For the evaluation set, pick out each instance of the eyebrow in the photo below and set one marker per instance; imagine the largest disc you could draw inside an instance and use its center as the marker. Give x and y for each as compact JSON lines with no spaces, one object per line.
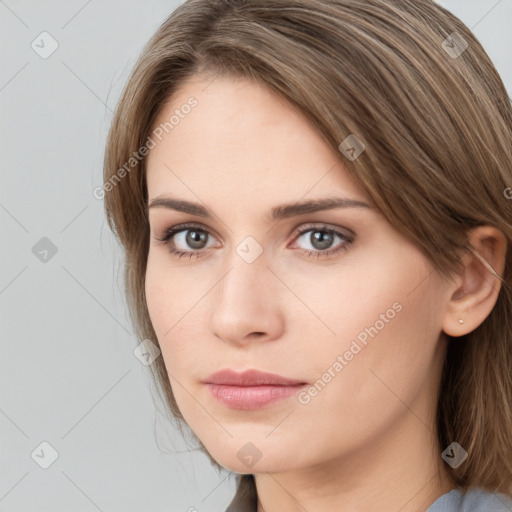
{"x":277,"y":213}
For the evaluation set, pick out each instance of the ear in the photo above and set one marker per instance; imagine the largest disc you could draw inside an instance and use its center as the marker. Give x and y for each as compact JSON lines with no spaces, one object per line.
{"x":475,"y":289}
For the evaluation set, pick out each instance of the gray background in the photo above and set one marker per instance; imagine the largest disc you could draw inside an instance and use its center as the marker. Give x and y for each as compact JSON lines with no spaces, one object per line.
{"x":69,"y":376}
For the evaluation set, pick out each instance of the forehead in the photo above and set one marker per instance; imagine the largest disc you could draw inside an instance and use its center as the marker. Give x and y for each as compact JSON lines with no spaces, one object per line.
{"x":241,"y":140}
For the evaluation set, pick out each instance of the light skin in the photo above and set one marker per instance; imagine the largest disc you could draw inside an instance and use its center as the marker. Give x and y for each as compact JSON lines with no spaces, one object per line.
{"x":367,"y":440}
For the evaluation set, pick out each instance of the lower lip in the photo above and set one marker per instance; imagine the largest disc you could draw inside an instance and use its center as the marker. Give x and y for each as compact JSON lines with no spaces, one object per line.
{"x":251,"y":397}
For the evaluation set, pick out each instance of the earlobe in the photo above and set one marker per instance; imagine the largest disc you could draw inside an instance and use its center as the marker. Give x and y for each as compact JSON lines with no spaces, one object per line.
{"x":475,"y":290}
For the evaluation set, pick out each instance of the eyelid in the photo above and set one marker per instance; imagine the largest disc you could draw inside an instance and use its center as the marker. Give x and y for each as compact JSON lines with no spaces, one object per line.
{"x":177,"y":228}
{"x":298,"y":230}
{"x":307,"y":226}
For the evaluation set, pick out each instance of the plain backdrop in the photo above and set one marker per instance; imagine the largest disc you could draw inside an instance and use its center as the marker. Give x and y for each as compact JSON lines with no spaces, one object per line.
{"x":74,"y":397}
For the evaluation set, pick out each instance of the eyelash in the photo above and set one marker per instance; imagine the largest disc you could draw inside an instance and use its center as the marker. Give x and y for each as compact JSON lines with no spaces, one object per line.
{"x":165,"y":240}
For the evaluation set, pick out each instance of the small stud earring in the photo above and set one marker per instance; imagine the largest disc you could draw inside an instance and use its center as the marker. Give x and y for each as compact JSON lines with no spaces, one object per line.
{"x":461,"y":321}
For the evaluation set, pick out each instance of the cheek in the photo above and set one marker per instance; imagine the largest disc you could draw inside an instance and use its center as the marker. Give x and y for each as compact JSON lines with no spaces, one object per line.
{"x":176,"y":315}
{"x":169,"y":294}
{"x":164,"y":302}
{"x":376,"y":384}
{"x":384,"y":350}
{"x":158,"y":296}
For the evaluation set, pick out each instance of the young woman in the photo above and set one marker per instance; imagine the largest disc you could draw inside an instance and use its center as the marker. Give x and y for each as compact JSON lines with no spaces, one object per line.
{"x":315,"y":202}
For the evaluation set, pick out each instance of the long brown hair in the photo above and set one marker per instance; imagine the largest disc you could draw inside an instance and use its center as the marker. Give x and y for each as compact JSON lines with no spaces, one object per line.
{"x":414,"y":85}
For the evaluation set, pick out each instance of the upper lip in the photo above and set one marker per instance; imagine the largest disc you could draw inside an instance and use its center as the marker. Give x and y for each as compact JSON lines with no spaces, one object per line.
{"x":249,"y":378}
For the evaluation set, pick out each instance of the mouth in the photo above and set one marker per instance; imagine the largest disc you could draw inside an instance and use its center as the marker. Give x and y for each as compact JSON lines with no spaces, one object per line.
{"x":251,"y":389}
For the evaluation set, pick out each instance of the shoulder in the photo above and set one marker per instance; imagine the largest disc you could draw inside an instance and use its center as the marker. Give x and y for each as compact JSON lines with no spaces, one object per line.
{"x":471,"y":500}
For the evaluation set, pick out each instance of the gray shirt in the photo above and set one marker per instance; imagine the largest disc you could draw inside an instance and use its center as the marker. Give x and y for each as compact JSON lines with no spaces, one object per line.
{"x":474,"y":500}
{"x":456,"y":500}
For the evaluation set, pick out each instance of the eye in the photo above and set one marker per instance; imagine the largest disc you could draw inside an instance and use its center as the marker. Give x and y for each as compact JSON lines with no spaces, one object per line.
{"x":179,"y":237}
{"x":321,"y":239}
{"x":191,"y":240}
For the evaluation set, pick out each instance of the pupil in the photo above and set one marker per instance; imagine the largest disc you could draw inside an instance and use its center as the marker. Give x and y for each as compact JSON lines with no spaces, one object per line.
{"x":195,"y":239}
{"x":321,"y":238}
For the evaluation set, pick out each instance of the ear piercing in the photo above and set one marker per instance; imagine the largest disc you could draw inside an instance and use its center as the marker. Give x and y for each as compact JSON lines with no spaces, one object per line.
{"x":461,"y":321}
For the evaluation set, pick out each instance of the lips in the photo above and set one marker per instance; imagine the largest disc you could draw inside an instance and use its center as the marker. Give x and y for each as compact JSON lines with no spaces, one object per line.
{"x":251,"y":389}
{"x":250,"y":378}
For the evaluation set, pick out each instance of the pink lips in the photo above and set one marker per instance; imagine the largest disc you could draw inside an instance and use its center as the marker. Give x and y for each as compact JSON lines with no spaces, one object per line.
{"x":251,"y":389}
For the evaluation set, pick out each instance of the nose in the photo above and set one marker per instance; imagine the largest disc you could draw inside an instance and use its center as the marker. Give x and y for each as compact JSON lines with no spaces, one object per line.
{"x":245,"y":304}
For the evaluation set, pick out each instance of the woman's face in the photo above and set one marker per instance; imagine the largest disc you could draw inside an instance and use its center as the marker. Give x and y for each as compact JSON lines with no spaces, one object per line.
{"x":334,"y":298}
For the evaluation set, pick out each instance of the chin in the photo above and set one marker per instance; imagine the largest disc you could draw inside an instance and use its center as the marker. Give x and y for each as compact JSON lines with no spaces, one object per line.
{"x":249,"y":459}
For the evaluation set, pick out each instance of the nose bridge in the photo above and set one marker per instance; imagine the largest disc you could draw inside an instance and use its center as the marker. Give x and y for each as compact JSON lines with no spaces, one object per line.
{"x":246,"y":279}
{"x":246,"y":301}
